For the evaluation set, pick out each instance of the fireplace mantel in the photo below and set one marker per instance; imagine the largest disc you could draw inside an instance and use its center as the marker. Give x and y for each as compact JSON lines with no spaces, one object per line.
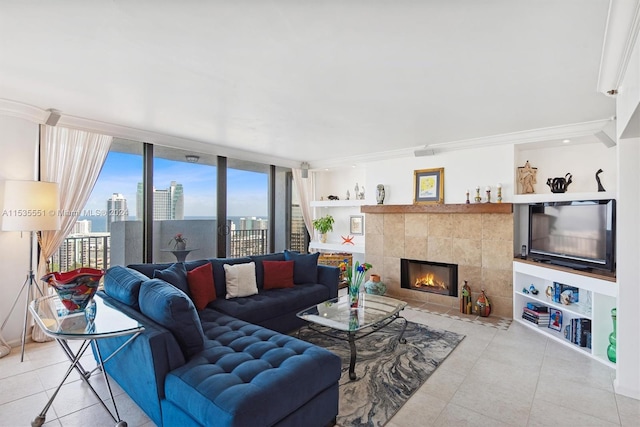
{"x":477,"y":208}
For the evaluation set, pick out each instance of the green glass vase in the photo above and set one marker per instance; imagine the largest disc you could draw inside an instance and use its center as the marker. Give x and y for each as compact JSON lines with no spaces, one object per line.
{"x":611,"y":350}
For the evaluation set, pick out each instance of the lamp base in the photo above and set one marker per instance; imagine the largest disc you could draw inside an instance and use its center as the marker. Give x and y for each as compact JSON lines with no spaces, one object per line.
{"x":4,"y":350}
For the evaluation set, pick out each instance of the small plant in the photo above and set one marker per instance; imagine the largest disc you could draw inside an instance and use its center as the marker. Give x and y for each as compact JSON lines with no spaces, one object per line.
{"x":324,"y":224}
{"x":177,"y":239}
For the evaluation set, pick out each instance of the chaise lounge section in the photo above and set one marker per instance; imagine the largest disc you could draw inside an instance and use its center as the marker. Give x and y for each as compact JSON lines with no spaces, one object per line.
{"x":229,"y":363}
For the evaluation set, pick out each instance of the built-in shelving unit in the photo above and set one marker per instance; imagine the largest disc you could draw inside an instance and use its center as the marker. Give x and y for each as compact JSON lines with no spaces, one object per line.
{"x":561,"y":197}
{"x":341,"y":210}
{"x":597,"y":296}
{"x":336,"y":203}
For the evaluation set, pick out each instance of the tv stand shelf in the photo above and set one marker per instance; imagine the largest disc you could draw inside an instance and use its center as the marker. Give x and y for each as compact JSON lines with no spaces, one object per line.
{"x":598,"y":293}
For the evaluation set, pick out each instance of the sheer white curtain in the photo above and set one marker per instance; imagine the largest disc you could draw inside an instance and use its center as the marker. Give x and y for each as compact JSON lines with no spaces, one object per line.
{"x":306,"y":193}
{"x":72,"y":158}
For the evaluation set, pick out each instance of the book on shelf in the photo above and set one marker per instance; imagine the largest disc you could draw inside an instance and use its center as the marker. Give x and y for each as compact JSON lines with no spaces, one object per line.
{"x":537,"y":307}
{"x":578,"y":331}
{"x":537,"y":314}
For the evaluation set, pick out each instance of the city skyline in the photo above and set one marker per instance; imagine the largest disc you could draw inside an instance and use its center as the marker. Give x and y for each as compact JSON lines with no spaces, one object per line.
{"x":247,"y":191}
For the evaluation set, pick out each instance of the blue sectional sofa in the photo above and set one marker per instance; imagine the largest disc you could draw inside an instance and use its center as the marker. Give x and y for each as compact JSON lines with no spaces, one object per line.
{"x":230,"y":362}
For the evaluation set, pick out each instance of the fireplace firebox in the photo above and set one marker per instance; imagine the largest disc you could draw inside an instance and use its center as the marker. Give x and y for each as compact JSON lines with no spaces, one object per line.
{"x":426,"y":276}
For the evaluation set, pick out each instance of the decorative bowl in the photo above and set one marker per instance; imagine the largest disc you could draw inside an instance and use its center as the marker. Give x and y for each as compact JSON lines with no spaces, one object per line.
{"x":75,"y":288}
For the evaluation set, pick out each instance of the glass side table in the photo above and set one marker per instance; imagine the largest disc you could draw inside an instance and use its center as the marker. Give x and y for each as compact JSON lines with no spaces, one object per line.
{"x":98,"y":321}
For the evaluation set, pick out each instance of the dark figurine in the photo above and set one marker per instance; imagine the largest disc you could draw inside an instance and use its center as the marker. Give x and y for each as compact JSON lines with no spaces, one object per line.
{"x":333,"y":197}
{"x":600,"y":187}
{"x":559,"y":185}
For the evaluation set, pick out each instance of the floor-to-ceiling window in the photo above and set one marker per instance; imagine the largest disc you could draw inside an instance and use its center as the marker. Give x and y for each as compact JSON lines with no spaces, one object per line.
{"x":184,"y":204}
{"x":247,"y":208}
{"x":107,"y":231}
{"x":183,"y":197}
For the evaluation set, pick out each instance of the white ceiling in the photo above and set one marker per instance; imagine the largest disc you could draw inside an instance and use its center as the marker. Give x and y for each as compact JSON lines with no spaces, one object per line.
{"x":310,"y":80}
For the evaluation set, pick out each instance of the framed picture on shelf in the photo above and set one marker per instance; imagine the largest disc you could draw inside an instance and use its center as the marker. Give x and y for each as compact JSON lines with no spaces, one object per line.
{"x":428,"y":186}
{"x":356,"y":224}
{"x":555,"y":319}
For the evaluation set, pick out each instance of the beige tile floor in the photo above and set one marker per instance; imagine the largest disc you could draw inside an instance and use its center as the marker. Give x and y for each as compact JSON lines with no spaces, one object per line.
{"x":497,"y":376}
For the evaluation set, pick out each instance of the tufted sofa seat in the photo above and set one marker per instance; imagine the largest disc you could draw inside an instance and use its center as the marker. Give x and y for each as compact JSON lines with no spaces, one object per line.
{"x":249,"y":375}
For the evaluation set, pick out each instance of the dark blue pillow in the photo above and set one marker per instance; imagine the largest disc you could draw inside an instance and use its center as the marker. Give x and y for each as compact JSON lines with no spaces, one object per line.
{"x":176,"y":275}
{"x":305,"y":267}
{"x":123,"y":284}
{"x":171,"y":308}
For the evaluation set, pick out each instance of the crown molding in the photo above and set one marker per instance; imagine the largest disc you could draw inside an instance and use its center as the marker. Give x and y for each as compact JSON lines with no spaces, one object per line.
{"x":542,"y":135}
{"x":39,"y":116}
{"x":621,"y":34}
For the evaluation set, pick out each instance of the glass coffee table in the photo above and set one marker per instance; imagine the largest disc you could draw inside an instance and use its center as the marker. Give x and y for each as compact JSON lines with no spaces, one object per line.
{"x":335,"y":318}
{"x":98,"y":321}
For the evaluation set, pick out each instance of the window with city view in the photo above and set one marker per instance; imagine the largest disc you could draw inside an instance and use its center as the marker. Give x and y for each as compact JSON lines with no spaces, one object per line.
{"x":109,"y":230}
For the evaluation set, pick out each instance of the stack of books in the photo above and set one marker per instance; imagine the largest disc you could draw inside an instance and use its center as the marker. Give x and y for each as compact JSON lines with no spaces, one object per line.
{"x":536,"y":313}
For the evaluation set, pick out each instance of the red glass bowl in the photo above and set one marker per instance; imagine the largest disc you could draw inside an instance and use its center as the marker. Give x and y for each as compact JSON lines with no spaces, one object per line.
{"x":75,"y":288}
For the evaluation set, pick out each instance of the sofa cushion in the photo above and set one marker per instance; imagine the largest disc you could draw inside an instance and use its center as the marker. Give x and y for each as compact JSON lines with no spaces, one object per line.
{"x":149,"y":269}
{"x":123,"y":284}
{"x":241,"y":280}
{"x":305,"y":267}
{"x":269,"y":304}
{"x":219,"y":276}
{"x":176,"y":274}
{"x":278,"y":274}
{"x":248,"y":375}
{"x":201,"y":285}
{"x":259,"y":259}
{"x":173,"y":309}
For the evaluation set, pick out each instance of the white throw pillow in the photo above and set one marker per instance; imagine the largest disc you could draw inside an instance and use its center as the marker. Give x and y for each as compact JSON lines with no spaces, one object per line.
{"x":241,"y":280}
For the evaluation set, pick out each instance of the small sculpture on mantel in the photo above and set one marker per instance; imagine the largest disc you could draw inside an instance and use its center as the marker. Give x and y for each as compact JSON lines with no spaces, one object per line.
{"x":527,"y":177}
{"x":600,"y":187}
{"x":348,"y":195}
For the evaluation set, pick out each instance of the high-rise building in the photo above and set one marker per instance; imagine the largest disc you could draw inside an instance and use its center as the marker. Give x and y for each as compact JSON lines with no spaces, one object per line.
{"x":167,"y":203}
{"x":82,"y":226}
{"x":116,"y":209}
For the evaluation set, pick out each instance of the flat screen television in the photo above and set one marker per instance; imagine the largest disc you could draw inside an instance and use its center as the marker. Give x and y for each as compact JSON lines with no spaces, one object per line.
{"x":576,"y":234}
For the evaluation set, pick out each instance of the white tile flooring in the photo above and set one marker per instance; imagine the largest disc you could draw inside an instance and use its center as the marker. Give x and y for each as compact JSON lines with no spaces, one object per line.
{"x":495,"y":377}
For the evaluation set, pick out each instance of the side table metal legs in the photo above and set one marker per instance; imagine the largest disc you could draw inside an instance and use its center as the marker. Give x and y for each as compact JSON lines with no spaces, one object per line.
{"x":85,"y":375}
{"x":352,"y":361}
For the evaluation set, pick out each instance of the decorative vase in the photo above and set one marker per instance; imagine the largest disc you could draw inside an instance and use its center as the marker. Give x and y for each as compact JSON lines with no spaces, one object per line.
{"x":181,"y":246}
{"x":380,"y":194}
{"x":75,"y":288}
{"x":323,"y":237}
{"x":354,"y":295}
{"x":611,"y":350}
{"x":375,"y":286}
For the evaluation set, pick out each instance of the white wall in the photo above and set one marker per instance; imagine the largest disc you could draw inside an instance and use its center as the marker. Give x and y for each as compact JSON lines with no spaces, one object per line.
{"x":463,"y":170}
{"x":628,"y":271}
{"x":18,"y":144}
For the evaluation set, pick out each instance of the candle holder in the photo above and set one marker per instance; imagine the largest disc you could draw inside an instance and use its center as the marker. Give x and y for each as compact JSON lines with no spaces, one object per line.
{"x":499,"y":194}
{"x":467,"y":197}
{"x":477,"y":198}
{"x":488,"y":196}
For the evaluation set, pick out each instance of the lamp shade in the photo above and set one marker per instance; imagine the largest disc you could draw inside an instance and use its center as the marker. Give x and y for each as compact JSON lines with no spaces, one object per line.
{"x":29,"y":206}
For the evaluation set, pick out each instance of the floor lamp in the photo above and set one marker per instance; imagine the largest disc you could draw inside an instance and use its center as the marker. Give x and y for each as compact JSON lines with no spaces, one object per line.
{"x":27,"y":206}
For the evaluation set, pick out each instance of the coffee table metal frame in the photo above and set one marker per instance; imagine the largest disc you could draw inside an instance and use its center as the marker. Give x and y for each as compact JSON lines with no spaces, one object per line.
{"x":105,"y":322}
{"x":335,"y":318}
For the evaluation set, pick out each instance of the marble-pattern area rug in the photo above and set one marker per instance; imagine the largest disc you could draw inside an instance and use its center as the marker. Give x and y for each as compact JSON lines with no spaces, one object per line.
{"x":388,"y":372}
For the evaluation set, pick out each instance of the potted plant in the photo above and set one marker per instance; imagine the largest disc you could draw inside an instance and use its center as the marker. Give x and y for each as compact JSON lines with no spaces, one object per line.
{"x":179,"y":242}
{"x":323,"y":225}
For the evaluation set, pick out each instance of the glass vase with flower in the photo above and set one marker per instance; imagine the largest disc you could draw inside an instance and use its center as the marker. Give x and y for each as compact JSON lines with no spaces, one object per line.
{"x":354,"y":278}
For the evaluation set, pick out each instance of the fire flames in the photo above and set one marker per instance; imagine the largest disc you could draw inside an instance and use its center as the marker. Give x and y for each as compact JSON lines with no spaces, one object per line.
{"x":429,"y":280}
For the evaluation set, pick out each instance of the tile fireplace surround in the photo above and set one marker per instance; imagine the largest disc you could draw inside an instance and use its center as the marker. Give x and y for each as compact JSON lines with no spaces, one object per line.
{"x":480,"y":243}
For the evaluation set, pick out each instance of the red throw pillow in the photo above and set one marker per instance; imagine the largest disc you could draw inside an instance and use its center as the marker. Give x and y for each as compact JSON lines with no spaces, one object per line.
{"x":278,"y":274}
{"x":201,"y":285}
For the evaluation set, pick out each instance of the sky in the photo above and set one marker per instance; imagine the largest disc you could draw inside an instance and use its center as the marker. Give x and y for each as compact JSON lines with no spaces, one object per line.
{"x":247,"y":192}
